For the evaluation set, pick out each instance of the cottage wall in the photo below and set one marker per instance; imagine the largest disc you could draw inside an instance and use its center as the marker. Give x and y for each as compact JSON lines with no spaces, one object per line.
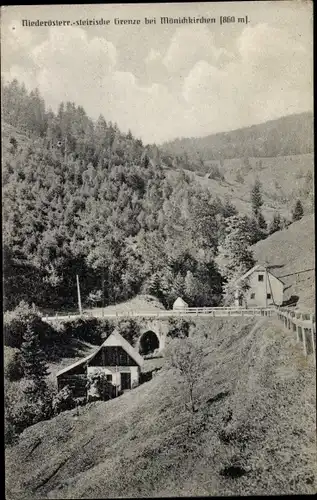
{"x":116,"y":373}
{"x":265,"y":289}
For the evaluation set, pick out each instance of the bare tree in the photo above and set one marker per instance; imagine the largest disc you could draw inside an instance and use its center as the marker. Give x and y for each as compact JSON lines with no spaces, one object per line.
{"x":185,"y":356}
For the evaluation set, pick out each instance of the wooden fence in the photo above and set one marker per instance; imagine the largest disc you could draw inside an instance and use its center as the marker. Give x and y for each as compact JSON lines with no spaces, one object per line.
{"x":303,"y":324}
{"x":189,"y":311}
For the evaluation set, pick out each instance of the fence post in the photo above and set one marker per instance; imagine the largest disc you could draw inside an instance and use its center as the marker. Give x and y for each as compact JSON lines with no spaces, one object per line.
{"x":304,"y":341}
{"x":298,"y":333}
{"x":313,"y":342}
{"x":309,"y":341}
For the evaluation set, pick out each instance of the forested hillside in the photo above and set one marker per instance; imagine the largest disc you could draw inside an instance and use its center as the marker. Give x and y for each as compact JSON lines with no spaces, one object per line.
{"x":289,"y":135}
{"x":83,"y":198}
{"x":279,"y":153}
{"x":80,"y":197}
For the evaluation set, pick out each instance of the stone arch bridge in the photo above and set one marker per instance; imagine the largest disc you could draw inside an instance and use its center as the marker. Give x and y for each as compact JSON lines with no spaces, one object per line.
{"x":154,"y":326}
{"x":153,"y":334}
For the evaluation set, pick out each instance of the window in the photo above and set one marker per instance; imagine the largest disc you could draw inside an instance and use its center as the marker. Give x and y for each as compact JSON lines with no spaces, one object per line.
{"x":252,"y":296}
{"x":109,"y":378}
{"x":268,"y":296}
{"x":260,"y":277}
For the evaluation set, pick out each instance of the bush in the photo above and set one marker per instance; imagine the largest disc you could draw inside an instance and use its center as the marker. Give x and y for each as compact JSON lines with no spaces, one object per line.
{"x":98,"y":387}
{"x":185,"y":357}
{"x":239,"y":178}
{"x":129,"y":329}
{"x":179,"y":328}
{"x":16,"y":322}
{"x":63,"y":401}
{"x":13,"y":369}
{"x":87,"y":329}
{"x":298,"y":211}
{"x":215,"y":173}
{"x":25,"y":407}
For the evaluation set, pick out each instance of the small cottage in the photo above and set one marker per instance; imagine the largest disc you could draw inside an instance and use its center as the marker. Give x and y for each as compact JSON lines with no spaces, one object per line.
{"x":264,"y":289}
{"x":180,"y":304}
{"x":116,"y":362}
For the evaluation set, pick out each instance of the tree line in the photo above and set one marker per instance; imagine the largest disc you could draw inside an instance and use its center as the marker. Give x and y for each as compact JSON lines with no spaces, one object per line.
{"x":289,"y":135}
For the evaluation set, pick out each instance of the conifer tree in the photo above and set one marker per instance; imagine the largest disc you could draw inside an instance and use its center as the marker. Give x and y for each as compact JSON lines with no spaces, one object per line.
{"x":33,"y":359}
{"x":276,"y":223}
{"x":256,"y":198}
{"x":298,"y":211}
{"x":178,"y":286}
{"x":260,"y":226}
{"x":190,"y":287}
{"x":235,"y":257}
{"x":262,"y":223}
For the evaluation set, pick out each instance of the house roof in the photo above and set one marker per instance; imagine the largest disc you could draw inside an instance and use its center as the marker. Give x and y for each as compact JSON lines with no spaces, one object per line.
{"x":78,"y":363}
{"x":114,"y":339}
{"x":258,"y":267}
{"x":180,"y":302}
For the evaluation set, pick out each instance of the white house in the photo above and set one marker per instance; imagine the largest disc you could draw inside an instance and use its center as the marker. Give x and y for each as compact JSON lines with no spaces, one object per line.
{"x":264,"y":290}
{"x":116,"y":359}
{"x":180,"y":304}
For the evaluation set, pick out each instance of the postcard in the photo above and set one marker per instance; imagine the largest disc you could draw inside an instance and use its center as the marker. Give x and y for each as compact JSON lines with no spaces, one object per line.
{"x":158,"y":249}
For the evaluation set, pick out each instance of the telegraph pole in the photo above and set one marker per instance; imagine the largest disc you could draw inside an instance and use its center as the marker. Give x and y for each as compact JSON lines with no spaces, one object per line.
{"x":103,"y":289}
{"x":78,"y":293}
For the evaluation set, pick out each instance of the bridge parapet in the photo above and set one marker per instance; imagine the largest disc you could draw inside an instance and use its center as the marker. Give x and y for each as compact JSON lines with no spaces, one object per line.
{"x":190,"y":311}
{"x":301,"y":322}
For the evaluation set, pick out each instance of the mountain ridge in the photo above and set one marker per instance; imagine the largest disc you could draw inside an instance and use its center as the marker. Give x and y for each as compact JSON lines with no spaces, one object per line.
{"x":289,"y":123}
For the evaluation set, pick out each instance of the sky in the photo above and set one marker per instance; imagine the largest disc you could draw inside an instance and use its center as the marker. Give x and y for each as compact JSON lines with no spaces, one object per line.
{"x":164,"y":81}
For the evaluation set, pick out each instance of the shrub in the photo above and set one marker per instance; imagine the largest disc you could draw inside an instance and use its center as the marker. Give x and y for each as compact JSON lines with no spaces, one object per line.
{"x":24,"y":406}
{"x":87,"y":329}
{"x":13,"y":369}
{"x":16,"y":322}
{"x":185,"y":357}
{"x":298,"y":211}
{"x":129,"y":329}
{"x":239,"y":178}
{"x":101,"y":388}
{"x":215,"y":173}
{"x":63,"y":400}
{"x":179,"y":327}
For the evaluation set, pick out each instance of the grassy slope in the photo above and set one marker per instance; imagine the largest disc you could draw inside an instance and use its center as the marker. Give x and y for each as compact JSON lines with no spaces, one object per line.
{"x":140,"y":303}
{"x":294,"y":250}
{"x":137,"y":445}
{"x":282,"y":178}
